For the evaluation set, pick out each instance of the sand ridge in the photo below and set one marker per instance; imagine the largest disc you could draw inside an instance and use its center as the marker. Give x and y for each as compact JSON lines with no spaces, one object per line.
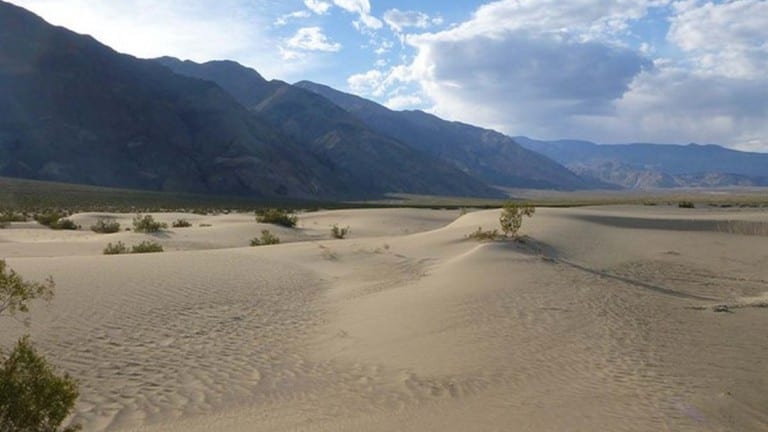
{"x":600,"y":320}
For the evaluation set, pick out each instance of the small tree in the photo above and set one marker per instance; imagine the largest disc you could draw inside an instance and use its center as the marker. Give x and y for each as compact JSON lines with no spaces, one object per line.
{"x":511,"y":218}
{"x":32,"y":396}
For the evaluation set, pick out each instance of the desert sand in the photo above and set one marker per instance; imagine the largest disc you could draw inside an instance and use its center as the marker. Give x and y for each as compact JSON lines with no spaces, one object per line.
{"x":601,"y":319}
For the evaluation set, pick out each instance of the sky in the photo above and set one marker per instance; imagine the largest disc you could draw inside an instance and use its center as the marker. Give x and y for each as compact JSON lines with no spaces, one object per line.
{"x":609,"y":71}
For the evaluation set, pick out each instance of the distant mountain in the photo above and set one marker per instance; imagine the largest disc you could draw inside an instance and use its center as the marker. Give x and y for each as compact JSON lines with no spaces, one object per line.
{"x":643,"y":165}
{"x":74,"y":110}
{"x":361,"y":158}
{"x":482,"y":153}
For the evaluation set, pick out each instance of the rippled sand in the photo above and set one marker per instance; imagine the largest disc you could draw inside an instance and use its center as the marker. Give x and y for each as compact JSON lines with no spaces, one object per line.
{"x":602,"y":319}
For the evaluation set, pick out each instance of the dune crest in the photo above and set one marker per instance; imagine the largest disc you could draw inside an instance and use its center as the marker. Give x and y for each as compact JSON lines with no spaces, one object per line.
{"x":601,"y":320}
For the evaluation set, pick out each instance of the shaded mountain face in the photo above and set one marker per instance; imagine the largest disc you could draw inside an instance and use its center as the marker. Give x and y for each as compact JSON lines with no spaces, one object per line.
{"x":74,"y":110}
{"x":482,"y":153}
{"x":363,"y":160}
{"x":643,"y":166}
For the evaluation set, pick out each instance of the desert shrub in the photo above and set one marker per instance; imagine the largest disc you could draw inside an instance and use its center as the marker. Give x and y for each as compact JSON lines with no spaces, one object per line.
{"x":686,"y":204}
{"x":32,"y":396}
{"x":106,"y":226}
{"x":64,"y":224}
{"x":3,"y":224}
{"x":205,"y":225}
{"x":339,"y":233}
{"x":181,"y":223}
{"x":147,"y":224}
{"x":49,"y":218}
{"x":481,"y":235}
{"x":12,"y":216}
{"x":147,"y":247}
{"x":15,"y":292}
{"x":55,"y":220}
{"x":511,"y":218}
{"x":267,"y":238}
{"x":115,"y":249}
{"x":277,"y":217}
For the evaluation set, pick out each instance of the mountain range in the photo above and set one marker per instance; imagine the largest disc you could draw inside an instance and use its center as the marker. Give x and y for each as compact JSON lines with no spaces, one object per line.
{"x":74,"y":110}
{"x":645,"y":165}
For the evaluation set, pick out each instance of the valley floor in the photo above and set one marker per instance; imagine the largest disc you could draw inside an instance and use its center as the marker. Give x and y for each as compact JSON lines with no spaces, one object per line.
{"x":602,"y":319}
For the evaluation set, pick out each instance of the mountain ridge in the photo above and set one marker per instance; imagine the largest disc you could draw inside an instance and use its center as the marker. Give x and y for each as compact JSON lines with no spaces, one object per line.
{"x":648,"y":165}
{"x":483,"y":153}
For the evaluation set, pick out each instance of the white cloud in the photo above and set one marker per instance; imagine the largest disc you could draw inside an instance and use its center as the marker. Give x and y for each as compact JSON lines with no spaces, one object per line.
{"x":319,"y":7}
{"x":284,"y":19}
{"x":363,"y":9}
{"x":555,"y":69}
{"x":312,"y":39}
{"x":729,"y":39}
{"x":399,"y":20}
{"x":354,"y":6}
{"x":367,"y":83}
{"x":401,"y":102}
{"x":199,"y":30}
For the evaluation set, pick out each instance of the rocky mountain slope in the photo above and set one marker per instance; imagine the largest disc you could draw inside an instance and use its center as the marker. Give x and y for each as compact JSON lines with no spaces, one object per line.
{"x":643,"y":166}
{"x":360,"y":157}
{"x":488,"y":155}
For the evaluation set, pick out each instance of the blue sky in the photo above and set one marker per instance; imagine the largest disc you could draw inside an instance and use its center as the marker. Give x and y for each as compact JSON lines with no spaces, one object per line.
{"x":673,"y":71}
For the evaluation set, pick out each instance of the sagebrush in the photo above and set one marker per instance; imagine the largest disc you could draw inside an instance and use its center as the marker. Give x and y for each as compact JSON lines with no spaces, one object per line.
{"x":267,"y":238}
{"x":511,"y":219}
{"x":106,"y":225}
{"x":277,"y":217}
{"x":339,"y":233}
{"x":147,"y":224}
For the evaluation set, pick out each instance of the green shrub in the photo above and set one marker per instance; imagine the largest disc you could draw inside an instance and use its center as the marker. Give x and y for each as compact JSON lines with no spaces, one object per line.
{"x":115,"y":249}
{"x":147,"y":247}
{"x":64,"y":224}
{"x":511,"y":218}
{"x":267,"y":238}
{"x":106,"y":226}
{"x":181,"y":223}
{"x":481,"y":235}
{"x":339,"y":233}
{"x":12,"y":216}
{"x":15,"y":292}
{"x":277,"y":217}
{"x":147,"y":224}
{"x":32,"y":396}
{"x":686,"y":204}
{"x":49,"y":218}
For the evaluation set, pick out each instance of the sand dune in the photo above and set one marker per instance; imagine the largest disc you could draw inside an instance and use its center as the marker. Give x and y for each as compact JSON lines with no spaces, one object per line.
{"x":602,"y":319}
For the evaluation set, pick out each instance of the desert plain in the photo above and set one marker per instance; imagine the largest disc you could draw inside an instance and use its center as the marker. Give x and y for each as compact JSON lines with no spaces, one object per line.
{"x":600,"y":318}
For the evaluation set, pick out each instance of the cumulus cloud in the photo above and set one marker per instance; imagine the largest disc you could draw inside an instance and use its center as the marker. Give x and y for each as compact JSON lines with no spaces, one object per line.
{"x":729,"y":39}
{"x":317,"y":6}
{"x":363,"y":9}
{"x":284,"y":19}
{"x":554,"y":69}
{"x":399,"y":20}
{"x":312,"y":39}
